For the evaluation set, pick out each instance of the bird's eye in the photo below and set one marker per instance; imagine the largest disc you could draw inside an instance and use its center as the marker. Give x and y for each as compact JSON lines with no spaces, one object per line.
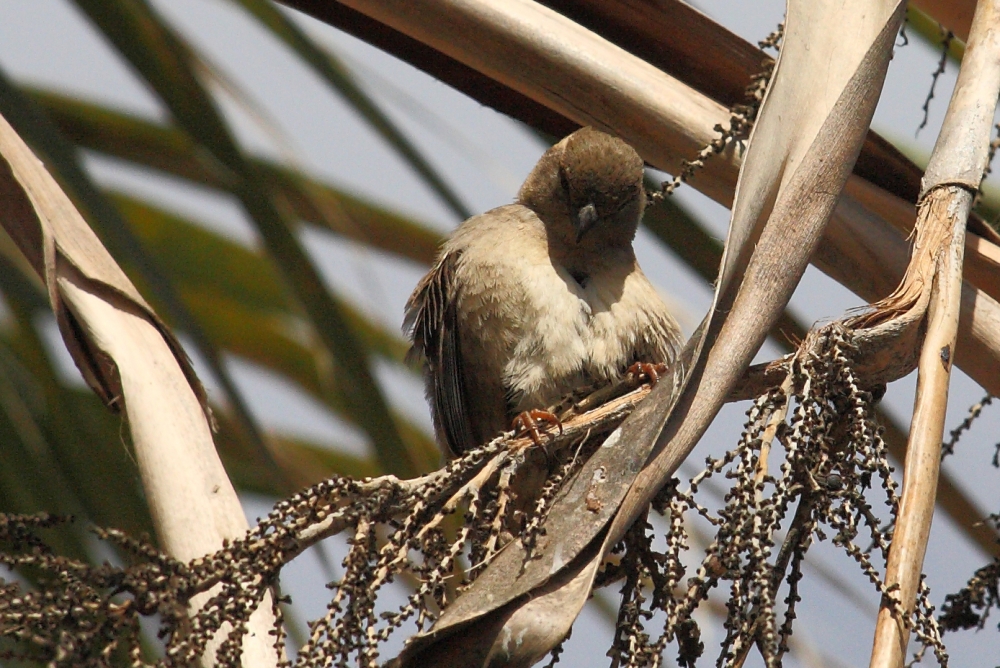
{"x":563,"y":179}
{"x":626,"y":197}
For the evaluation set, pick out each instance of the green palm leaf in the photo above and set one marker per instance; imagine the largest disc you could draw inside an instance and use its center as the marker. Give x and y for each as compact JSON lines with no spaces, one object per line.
{"x":337,"y":76}
{"x":63,"y":159}
{"x":168,"y":150}
{"x":166,"y":64}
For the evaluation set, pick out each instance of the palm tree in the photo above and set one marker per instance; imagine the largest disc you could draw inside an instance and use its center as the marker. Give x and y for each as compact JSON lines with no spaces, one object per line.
{"x":664,"y":77}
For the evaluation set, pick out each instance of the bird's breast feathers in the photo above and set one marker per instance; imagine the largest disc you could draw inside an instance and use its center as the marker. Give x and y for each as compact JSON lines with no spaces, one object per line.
{"x":559,"y":333}
{"x":532,"y":300}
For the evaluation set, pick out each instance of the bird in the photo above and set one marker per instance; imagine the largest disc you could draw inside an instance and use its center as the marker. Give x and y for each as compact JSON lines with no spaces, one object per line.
{"x":532,"y":300}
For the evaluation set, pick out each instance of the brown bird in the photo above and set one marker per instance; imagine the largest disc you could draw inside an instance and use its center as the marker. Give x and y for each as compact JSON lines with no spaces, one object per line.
{"x":530,"y":301}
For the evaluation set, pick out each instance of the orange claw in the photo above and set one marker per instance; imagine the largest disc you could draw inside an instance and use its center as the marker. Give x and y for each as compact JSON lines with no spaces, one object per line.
{"x":650,"y":371}
{"x":528,"y":421}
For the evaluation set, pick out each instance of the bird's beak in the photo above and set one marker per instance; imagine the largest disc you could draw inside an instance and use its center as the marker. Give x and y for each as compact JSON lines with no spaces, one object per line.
{"x":584,"y":219}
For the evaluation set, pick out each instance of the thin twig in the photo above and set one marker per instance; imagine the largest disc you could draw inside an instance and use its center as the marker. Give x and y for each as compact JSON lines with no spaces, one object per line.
{"x":948,"y":36}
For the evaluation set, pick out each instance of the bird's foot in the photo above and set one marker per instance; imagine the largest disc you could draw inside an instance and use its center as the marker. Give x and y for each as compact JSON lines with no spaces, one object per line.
{"x":528,"y":422}
{"x":647,"y":371}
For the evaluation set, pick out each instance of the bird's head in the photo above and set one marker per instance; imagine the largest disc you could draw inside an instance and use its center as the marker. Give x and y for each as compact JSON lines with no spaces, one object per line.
{"x":588,"y":191}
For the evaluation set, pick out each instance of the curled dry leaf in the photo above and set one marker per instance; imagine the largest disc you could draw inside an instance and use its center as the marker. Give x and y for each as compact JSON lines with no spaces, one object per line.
{"x":133,"y":362}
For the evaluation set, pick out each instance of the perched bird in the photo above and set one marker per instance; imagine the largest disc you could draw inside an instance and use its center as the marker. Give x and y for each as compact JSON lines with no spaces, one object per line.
{"x":530,"y":301}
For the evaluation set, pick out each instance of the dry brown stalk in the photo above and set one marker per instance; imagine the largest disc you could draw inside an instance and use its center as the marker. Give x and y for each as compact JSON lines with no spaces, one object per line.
{"x":933,"y":285}
{"x":939,"y":295}
{"x":603,"y":412}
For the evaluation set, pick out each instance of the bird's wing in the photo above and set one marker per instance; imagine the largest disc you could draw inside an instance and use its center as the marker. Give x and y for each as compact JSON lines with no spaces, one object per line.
{"x":431,"y":318}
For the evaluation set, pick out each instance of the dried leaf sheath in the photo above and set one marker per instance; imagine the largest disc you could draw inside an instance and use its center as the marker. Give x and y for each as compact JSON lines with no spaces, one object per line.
{"x":121,"y":349}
